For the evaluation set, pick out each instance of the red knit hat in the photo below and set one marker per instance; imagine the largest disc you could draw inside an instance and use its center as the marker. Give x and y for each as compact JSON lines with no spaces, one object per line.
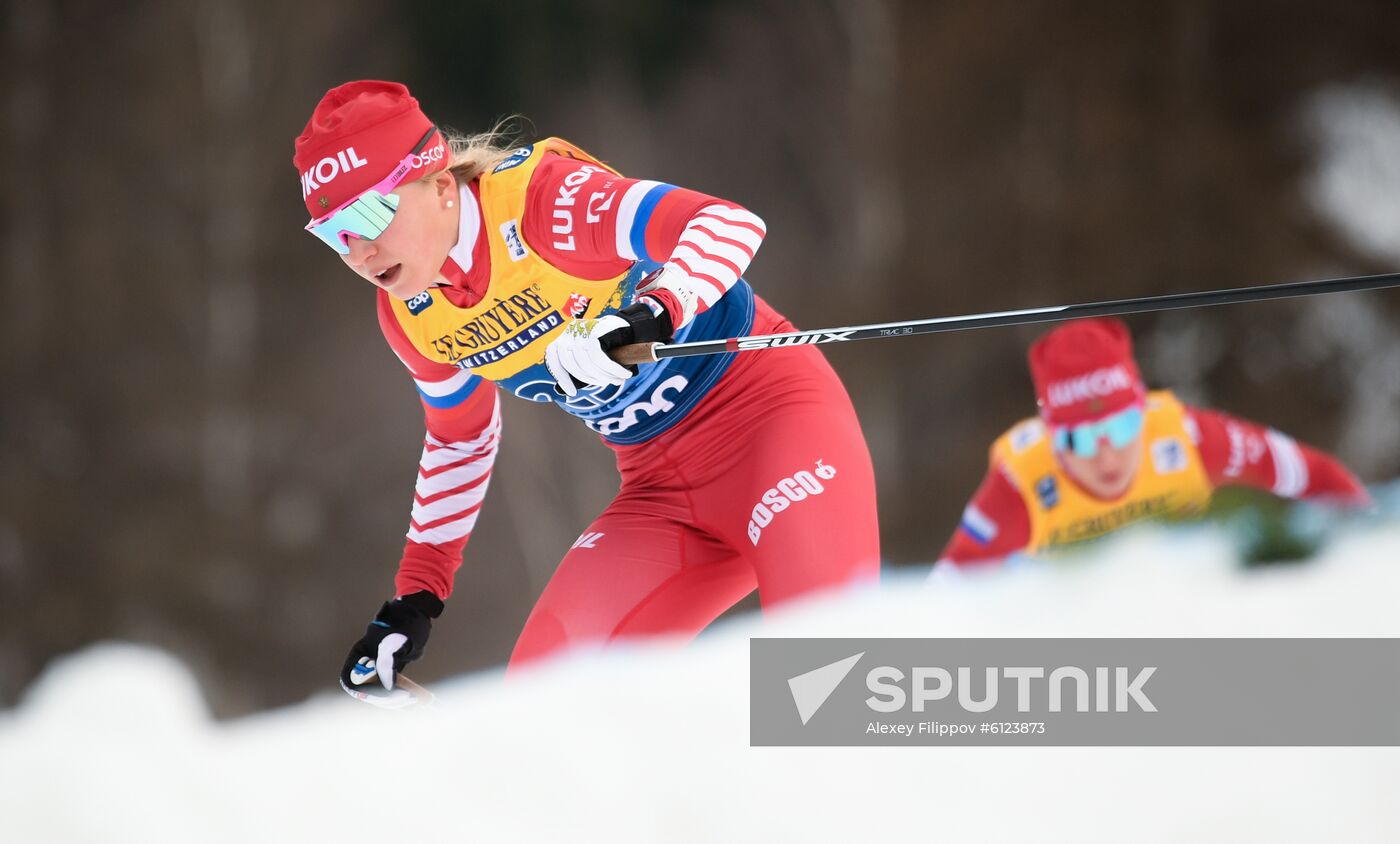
{"x":357,"y":135}
{"x":1084,"y":370}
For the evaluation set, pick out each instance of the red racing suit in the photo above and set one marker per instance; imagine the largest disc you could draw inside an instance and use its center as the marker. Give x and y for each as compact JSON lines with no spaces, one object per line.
{"x":1028,"y":503}
{"x":736,"y":472}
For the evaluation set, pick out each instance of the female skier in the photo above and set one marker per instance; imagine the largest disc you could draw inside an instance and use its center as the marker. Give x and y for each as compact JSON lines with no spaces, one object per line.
{"x":1105,"y":453}
{"x":516,"y":271}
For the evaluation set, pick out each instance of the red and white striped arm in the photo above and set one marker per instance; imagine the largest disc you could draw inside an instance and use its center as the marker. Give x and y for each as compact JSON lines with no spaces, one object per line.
{"x":453,"y":476}
{"x":452,"y":481}
{"x":714,"y":250}
{"x":593,"y":224}
{"x":462,"y":415}
{"x":1237,"y":452}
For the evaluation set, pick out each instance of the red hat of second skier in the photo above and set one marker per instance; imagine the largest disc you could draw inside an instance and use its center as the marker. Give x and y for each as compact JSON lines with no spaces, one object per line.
{"x":1084,"y":370}
{"x":358,"y":134}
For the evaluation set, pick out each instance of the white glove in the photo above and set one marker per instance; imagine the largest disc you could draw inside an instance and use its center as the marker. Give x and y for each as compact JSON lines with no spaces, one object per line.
{"x":579,"y":354}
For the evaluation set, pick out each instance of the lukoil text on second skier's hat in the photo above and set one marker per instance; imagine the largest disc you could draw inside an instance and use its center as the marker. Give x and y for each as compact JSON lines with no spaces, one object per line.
{"x":1085,"y":370}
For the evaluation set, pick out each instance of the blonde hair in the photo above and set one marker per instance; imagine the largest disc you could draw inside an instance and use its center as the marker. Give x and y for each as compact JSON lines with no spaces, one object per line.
{"x":473,"y":155}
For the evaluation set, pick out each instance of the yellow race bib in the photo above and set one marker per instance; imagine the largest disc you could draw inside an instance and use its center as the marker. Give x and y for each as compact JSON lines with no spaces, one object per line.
{"x":1171,"y":480}
{"x":528,"y":301}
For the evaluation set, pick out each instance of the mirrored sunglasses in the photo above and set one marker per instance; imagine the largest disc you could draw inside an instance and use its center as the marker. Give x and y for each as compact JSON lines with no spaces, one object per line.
{"x":1120,"y":430}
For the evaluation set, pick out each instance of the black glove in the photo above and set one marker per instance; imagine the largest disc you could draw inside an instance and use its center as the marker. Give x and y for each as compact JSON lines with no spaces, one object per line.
{"x":643,"y":326}
{"x":395,"y":638}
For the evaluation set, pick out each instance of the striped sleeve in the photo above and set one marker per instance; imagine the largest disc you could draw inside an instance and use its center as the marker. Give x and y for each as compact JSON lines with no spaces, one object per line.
{"x":704,"y":260}
{"x":1237,"y":452}
{"x":463,"y":419}
{"x":593,"y":224}
{"x":1290,"y":469}
{"x":452,"y":480}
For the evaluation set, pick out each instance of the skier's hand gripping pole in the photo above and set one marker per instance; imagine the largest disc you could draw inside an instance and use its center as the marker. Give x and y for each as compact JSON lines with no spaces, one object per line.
{"x":395,"y":637}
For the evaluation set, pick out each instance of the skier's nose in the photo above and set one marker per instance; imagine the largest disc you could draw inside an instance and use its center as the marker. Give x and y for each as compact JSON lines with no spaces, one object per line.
{"x":361,"y":251}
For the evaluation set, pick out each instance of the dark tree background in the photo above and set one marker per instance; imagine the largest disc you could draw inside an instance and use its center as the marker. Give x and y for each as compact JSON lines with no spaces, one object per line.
{"x":205,"y":444}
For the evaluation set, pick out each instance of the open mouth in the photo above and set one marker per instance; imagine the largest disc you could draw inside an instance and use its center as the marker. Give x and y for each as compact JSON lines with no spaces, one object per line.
{"x":387,"y":276}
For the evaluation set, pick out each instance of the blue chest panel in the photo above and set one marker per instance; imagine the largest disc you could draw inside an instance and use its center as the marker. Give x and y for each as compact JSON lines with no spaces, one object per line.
{"x":661,"y":394}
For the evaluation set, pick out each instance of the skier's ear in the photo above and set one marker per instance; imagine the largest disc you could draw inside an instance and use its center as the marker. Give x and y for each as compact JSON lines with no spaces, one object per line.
{"x":444,"y":184}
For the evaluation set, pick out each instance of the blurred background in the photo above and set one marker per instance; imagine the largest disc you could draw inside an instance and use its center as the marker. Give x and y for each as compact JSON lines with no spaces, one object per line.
{"x":206,"y":445}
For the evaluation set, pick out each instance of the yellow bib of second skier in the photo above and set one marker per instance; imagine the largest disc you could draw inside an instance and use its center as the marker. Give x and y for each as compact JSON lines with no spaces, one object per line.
{"x":1171,"y":479}
{"x":528,"y":300}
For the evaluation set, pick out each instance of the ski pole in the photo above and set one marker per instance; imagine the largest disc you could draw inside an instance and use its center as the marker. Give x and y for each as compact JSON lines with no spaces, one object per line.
{"x":421,"y":696}
{"x":652,"y":352}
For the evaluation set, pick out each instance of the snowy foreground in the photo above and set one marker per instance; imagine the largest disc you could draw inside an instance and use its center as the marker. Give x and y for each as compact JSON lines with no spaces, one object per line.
{"x":114,"y":744}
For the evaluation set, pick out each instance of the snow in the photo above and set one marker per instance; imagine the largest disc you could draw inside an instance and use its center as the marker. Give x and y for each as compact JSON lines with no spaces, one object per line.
{"x":650,"y":743}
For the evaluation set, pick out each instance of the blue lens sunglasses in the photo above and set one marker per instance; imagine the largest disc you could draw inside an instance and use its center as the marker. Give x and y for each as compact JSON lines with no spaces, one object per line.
{"x":1120,"y":430}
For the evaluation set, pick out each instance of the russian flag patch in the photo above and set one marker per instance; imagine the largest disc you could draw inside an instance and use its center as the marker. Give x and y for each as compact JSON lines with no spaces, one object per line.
{"x":978,"y":525}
